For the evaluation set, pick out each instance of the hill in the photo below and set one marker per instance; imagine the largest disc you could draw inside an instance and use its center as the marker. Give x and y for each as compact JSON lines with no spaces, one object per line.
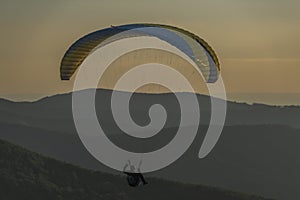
{"x":28,"y":175}
{"x":55,"y":112}
{"x":261,"y":160}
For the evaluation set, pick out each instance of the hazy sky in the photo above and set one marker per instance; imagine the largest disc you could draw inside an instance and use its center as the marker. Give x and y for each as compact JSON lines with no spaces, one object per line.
{"x":257,"y":41}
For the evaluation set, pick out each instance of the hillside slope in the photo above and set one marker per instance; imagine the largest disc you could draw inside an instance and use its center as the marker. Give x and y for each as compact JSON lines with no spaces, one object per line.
{"x":261,"y":160}
{"x":27,"y":175}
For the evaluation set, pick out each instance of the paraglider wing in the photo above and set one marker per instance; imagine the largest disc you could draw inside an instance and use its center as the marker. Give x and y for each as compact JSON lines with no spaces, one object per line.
{"x":193,"y":46}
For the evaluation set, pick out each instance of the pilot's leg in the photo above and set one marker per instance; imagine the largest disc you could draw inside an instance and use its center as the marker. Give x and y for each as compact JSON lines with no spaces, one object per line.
{"x":143,"y":179}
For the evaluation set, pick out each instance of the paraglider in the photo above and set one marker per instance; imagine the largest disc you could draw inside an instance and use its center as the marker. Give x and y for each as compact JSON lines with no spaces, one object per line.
{"x":197,"y":50}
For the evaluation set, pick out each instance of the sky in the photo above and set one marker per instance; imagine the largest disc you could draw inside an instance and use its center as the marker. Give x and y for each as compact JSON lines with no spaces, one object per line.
{"x":257,"y":41}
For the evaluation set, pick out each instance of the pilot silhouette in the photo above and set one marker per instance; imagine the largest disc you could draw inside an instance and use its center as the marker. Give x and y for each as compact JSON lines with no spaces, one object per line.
{"x":134,"y":178}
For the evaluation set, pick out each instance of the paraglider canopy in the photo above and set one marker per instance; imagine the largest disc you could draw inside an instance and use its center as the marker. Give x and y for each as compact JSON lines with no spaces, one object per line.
{"x":192,"y":45}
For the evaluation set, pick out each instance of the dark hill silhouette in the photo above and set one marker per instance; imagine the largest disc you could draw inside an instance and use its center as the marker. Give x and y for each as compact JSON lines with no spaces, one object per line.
{"x":260,"y":160}
{"x":28,"y":175}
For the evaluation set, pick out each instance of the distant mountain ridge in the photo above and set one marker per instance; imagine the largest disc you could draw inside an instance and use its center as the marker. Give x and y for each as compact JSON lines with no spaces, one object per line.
{"x":55,"y":112}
